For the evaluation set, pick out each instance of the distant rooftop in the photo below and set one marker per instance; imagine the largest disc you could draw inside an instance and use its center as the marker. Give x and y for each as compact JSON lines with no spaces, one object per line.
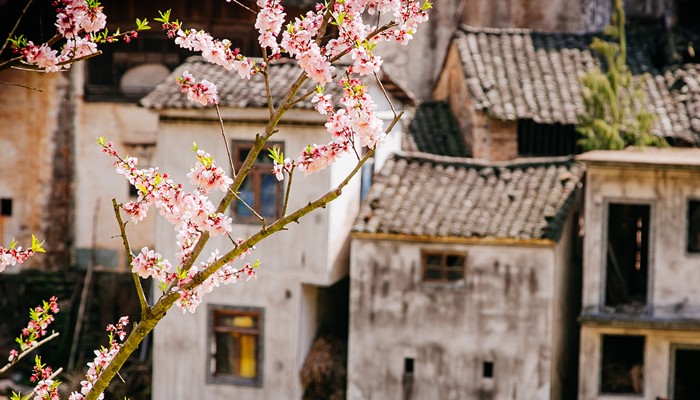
{"x":242,"y":93}
{"x":522,"y":74}
{"x":430,"y":196}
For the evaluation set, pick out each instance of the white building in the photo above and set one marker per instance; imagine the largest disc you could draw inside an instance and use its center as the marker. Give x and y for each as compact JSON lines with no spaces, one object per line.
{"x":640,"y":324}
{"x":249,"y":340}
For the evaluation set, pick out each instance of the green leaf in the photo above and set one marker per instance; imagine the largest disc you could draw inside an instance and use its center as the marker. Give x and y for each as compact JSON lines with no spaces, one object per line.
{"x":142,"y":24}
{"x":37,"y":246}
{"x":164,"y":17}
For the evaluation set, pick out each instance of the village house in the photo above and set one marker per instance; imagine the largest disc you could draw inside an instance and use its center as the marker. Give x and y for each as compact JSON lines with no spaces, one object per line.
{"x":250,"y":340}
{"x":640,"y":320}
{"x":463,"y":280}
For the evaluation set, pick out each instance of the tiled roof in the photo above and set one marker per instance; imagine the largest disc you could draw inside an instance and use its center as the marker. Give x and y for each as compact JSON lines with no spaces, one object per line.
{"x":423,"y":195}
{"x":240,"y":93}
{"x":435,"y":130}
{"x":522,"y":74}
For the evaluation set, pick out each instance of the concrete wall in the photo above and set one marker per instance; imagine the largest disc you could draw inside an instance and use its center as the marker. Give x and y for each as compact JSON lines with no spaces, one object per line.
{"x":28,"y":123}
{"x":97,"y":183}
{"x":673,"y":279}
{"x":502,"y":312}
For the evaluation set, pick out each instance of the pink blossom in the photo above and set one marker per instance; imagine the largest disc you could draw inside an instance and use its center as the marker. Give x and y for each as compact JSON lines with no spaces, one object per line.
{"x":203,"y":93}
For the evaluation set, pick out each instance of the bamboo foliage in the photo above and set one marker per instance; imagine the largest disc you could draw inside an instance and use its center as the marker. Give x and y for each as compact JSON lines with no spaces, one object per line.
{"x":616,"y":115}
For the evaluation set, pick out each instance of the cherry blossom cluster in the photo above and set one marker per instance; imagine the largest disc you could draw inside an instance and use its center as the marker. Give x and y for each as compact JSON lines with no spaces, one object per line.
{"x":191,"y":214}
{"x":218,"y":52}
{"x":46,"y":387}
{"x":191,"y":298}
{"x":203,"y":92}
{"x":269,"y":23}
{"x":39,"y":320}
{"x":356,"y":119}
{"x":17,"y":255}
{"x":73,"y":19}
{"x":188,"y":212}
{"x":207,"y":176}
{"x":117,"y":334}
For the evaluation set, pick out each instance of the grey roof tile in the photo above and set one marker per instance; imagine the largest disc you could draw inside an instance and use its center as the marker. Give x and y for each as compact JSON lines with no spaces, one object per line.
{"x":435,"y":130}
{"x":522,"y":74}
{"x":426,"y":195}
{"x":242,"y":93}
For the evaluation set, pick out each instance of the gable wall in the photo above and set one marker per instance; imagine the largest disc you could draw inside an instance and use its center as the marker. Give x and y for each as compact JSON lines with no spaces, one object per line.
{"x":501,"y":312}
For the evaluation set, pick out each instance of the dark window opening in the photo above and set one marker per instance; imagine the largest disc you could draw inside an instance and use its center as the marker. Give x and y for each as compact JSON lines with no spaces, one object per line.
{"x":408,"y":366}
{"x":623,"y":364}
{"x":6,"y":207}
{"x":236,"y":346}
{"x":693,"y":240}
{"x":686,"y":385}
{"x":546,"y":140}
{"x":260,"y":189}
{"x":487,"y":370}
{"x":627,"y":261}
{"x":445,"y":267}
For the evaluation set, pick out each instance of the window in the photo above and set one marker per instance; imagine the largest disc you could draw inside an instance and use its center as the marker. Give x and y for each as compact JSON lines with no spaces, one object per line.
{"x":6,"y":207}
{"x":260,"y":189}
{"x":443,"y":267}
{"x":623,"y":364}
{"x":544,"y":140}
{"x":693,"y":226}
{"x":627,"y":260}
{"x":235,"y":344}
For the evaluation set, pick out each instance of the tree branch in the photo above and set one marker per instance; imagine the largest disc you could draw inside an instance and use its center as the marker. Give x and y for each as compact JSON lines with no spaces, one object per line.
{"x":26,"y":352}
{"x":130,"y":258}
{"x":14,"y":28}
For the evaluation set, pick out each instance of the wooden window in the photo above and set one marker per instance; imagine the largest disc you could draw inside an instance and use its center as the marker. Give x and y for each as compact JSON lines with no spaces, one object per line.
{"x":443,"y":267}
{"x":236,"y":346}
{"x":693,"y":240}
{"x":260,"y":189}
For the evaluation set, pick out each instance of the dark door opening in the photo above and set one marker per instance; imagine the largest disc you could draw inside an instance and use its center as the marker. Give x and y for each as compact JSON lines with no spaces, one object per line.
{"x":627,"y":261}
{"x":686,"y":385}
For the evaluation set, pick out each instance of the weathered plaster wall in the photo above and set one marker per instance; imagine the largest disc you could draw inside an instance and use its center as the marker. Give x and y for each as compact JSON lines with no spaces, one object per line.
{"x":657,"y":361}
{"x":674,"y":277}
{"x":28,"y":122}
{"x":181,"y":340}
{"x":97,"y":183}
{"x":502,"y":312}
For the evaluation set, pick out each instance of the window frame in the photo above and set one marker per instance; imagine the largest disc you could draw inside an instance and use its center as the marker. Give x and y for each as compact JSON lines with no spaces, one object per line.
{"x":688,"y":250}
{"x":650,"y":250}
{"x":213,"y":313}
{"x":444,"y":268}
{"x":256,"y":173}
{"x":601,"y":391}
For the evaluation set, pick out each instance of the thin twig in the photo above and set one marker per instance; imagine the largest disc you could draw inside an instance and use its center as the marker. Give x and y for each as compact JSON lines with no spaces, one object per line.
{"x":286,"y":193}
{"x":244,"y":6}
{"x":305,"y":96}
{"x":14,"y":28}
{"x":26,"y":352}
{"x":130,"y":258}
{"x":386,"y":95}
{"x":21,"y":85}
{"x":266,"y":76}
{"x":223,"y":136}
{"x":262,"y":220}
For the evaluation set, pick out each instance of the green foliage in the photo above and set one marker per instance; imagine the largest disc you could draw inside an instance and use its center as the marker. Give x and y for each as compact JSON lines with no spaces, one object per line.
{"x":616,"y":115}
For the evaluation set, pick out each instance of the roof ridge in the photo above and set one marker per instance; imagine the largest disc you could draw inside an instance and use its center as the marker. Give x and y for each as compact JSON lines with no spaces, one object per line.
{"x":475,"y":162}
{"x":521,"y":31}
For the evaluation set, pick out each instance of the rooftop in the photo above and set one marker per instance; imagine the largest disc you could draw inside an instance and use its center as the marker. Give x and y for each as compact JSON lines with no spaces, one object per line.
{"x":241,"y":93}
{"x":522,"y":74}
{"x":435,"y":130}
{"x":419,"y":194}
{"x":681,"y":157}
